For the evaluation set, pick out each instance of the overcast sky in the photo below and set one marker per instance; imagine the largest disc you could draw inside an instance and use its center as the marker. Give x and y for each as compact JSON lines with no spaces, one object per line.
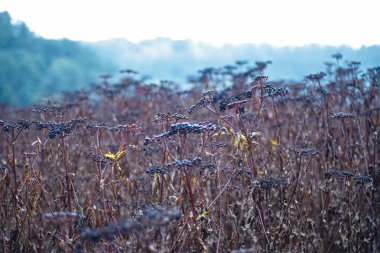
{"x":277,"y":22}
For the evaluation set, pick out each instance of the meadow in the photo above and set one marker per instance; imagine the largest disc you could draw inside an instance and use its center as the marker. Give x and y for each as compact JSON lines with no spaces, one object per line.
{"x":236,"y":163}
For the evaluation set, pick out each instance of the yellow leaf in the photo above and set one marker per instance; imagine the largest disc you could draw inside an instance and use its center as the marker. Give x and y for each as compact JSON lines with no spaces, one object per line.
{"x":203,"y":215}
{"x":116,"y":157}
{"x":223,"y":132}
{"x":156,"y":182}
{"x":126,"y":181}
{"x":240,"y":141}
{"x":195,"y":181}
{"x":274,"y":143}
{"x":137,"y":148}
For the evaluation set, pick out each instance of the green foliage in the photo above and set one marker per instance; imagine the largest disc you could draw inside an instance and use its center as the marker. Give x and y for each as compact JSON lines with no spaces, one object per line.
{"x":32,"y":67}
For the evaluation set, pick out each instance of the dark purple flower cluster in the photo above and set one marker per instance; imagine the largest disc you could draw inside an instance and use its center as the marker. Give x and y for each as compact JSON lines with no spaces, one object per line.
{"x":150,"y":216}
{"x":341,"y":115}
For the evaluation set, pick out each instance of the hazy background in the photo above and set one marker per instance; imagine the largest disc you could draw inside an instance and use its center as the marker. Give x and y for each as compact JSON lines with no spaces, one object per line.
{"x":48,"y":46}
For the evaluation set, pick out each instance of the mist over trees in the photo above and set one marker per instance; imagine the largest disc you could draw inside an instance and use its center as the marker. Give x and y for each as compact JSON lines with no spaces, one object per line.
{"x":164,"y":58}
{"x":31,"y":66}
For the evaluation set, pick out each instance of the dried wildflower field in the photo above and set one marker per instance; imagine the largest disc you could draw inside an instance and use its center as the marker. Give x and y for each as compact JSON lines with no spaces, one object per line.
{"x":238,"y":163}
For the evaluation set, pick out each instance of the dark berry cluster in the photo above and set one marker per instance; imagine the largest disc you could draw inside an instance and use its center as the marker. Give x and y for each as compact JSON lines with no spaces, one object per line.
{"x":316,"y":77}
{"x":185,"y":128}
{"x":60,"y":129}
{"x":227,"y":102}
{"x":185,"y":162}
{"x":157,"y":169}
{"x":207,"y":166}
{"x":206,"y":100}
{"x":267,"y":183}
{"x":99,"y":158}
{"x":167,"y":167}
{"x":346,"y":174}
{"x":109,"y":232}
{"x":341,"y":115}
{"x":363,"y":179}
{"x":201,"y":102}
{"x":150,"y":216}
{"x":55,"y":110}
{"x":261,"y":78}
{"x":245,"y":94}
{"x":245,"y":171}
{"x":272,"y":91}
{"x":342,"y":174}
{"x":21,"y":124}
{"x":223,"y":104}
{"x":157,"y":215}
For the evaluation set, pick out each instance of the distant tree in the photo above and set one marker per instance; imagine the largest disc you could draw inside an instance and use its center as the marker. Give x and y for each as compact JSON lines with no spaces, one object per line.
{"x":31,"y":66}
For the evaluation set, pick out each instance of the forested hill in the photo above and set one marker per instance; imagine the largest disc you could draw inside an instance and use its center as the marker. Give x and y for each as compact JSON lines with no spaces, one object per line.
{"x":32,"y":67}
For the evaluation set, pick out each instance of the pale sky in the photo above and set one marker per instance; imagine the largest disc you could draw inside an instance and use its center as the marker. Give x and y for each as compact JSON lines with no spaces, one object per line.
{"x":276,"y":22}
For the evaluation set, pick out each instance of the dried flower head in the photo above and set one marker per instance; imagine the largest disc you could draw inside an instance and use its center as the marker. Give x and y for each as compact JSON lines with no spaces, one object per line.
{"x":167,"y":167}
{"x":342,"y":115}
{"x":342,"y":174}
{"x":267,"y":183}
{"x":309,"y":152}
{"x":168,"y":117}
